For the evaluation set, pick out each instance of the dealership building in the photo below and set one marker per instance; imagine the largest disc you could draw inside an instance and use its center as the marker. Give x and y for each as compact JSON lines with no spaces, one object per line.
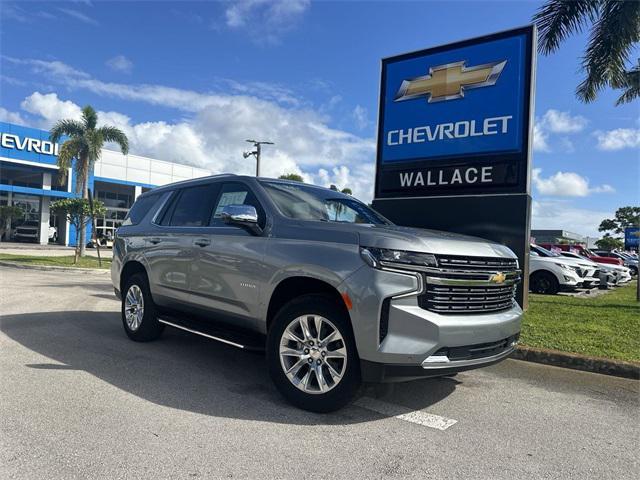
{"x":30,"y":179}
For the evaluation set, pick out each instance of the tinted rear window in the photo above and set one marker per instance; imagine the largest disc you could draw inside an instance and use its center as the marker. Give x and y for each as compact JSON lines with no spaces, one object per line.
{"x":192,"y":207}
{"x":140,"y":209}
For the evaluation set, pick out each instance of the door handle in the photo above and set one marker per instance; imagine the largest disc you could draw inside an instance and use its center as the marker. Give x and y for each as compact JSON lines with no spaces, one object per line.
{"x":155,"y":241}
{"x":202,"y":242}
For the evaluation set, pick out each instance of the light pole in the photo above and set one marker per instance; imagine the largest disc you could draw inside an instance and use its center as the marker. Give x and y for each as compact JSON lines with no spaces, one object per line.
{"x":256,"y":153}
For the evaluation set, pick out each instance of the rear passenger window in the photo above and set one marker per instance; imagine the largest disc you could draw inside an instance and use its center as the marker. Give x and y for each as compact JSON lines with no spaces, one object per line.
{"x":192,"y":207}
{"x":140,"y":209}
{"x":235,"y":193}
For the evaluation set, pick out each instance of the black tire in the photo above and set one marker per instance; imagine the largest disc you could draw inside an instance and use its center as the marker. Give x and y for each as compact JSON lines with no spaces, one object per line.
{"x":343,"y":391}
{"x":150,"y":328}
{"x":545,"y":283}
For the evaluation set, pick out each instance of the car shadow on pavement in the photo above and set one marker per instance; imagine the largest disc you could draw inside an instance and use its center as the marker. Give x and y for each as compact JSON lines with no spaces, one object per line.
{"x":184,"y":371}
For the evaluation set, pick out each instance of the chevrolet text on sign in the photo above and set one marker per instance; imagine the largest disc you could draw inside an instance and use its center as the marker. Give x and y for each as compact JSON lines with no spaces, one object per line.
{"x":456,"y":119}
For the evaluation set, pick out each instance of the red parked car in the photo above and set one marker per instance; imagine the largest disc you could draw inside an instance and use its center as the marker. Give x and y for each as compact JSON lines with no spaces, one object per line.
{"x":580,"y":250}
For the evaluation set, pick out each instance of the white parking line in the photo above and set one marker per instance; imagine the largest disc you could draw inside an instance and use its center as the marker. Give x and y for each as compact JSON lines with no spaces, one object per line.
{"x":414,"y":416}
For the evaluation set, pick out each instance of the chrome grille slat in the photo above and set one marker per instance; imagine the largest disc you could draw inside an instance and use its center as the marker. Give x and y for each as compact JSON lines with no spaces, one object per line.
{"x":465,"y":285}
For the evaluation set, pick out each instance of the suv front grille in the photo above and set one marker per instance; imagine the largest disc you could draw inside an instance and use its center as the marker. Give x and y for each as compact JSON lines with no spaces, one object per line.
{"x":470,"y":285}
{"x":481,"y":263}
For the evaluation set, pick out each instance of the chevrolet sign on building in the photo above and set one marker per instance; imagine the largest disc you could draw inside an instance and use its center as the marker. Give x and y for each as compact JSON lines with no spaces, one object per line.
{"x":454,"y":138}
{"x":30,"y":179}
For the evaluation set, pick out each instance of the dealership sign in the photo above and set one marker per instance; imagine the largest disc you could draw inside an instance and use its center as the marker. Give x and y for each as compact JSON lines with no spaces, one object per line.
{"x":28,"y":144}
{"x":456,"y":118}
{"x":632,"y":238}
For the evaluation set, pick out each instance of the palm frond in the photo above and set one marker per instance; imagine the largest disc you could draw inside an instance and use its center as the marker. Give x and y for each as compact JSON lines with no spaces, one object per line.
{"x":68,"y":151}
{"x":558,"y":19}
{"x":71,"y":128}
{"x":113,"y":134}
{"x":89,"y":117}
{"x":611,"y":40}
{"x":630,"y":82}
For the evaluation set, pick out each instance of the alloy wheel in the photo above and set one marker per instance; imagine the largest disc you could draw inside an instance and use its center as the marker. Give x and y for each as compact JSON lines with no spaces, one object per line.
{"x":134,"y":307}
{"x":313,"y":354}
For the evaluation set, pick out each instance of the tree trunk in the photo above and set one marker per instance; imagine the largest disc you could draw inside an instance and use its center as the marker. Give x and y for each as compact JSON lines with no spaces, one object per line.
{"x":82,"y":237}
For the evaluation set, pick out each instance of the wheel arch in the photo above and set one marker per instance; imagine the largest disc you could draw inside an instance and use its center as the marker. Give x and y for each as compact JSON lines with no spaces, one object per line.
{"x":130,"y":268}
{"x":296,"y":286}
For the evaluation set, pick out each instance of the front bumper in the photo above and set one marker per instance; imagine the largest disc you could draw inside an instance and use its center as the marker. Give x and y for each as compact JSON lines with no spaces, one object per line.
{"x":405,"y":346}
{"x":26,"y":236}
{"x":436,"y":365}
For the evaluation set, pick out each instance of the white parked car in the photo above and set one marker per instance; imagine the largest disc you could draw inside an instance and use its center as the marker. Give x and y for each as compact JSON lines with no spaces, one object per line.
{"x":29,"y":231}
{"x":569,"y":273}
{"x":614,"y":273}
{"x":549,"y":275}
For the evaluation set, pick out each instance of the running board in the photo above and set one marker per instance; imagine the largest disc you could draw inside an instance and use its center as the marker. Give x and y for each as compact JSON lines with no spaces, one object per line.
{"x":240,"y":340}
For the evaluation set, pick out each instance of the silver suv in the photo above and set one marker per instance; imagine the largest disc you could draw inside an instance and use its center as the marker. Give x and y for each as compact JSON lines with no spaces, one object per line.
{"x":335,"y":293}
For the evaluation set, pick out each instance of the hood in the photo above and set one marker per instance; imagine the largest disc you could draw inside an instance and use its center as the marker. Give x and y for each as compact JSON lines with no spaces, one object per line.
{"x":429,"y":241}
{"x":577,"y":261}
{"x":556,"y":260}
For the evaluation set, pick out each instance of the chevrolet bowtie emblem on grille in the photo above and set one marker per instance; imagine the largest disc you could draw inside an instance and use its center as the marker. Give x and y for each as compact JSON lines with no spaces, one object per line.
{"x":498,"y":277}
{"x":450,"y":81}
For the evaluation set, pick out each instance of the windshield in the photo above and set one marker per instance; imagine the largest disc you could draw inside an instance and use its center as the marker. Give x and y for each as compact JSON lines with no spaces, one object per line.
{"x":543,"y":252}
{"x":305,"y":202}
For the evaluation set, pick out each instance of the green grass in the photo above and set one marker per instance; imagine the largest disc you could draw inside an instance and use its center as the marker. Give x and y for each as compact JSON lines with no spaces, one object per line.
{"x":67,"y":261}
{"x":604,"y":326}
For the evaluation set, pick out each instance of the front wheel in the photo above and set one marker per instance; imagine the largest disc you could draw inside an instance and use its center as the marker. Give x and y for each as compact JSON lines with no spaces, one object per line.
{"x":545,"y":283}
{"x":312,"y":355}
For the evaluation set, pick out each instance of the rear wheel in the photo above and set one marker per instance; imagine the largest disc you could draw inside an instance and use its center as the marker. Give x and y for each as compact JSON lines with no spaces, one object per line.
{"x":544,"y":283}
{"x":312,"y":354}
{"x":138,"y":310}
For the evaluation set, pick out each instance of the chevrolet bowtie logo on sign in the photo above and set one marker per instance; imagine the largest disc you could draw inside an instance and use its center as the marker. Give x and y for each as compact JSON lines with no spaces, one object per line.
{"x":448,"y":82}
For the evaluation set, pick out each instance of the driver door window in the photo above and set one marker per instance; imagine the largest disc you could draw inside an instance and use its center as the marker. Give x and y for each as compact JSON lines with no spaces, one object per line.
{"x":235,"y":193}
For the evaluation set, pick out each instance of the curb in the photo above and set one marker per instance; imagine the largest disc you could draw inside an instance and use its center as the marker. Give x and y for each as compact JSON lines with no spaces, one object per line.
{"x":99,"y":271}
{"x":617,"y":368}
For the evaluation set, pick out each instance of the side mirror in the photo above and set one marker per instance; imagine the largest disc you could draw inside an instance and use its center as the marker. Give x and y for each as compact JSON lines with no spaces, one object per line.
{"x":244,"y":216}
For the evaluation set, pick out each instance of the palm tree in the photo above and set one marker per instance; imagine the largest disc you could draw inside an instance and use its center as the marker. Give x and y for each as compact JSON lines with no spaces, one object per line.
{"x":615,"y":28}
{"x":631,"y":83}
{"x":84,"y":145}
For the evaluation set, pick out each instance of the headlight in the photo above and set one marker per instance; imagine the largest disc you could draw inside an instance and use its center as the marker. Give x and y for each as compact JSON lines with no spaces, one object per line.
{"x":567,"y":267}
{"x":381,"y":257}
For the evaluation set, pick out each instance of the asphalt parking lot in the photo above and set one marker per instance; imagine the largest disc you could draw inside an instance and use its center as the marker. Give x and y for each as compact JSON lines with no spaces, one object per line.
{"x":79,"y":400}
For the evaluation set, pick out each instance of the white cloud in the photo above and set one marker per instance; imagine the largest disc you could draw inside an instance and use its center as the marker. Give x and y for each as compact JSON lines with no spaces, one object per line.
{"x":78,"y":15}
{"x":11,"y":117}
{"x":566,"y":184}
{"x":265,"y":20}
{"x":562,"y":122}
{"x":561,"y":214}
{"x":268,"y":91}
{"x":540,"y":139}
{"x":618,"y":139}
{"x":120,"y":63}
{"x":50,"y":108}
{"x":214,"y":138}
{"x":555,"y":122}
{"x":361,"y":117}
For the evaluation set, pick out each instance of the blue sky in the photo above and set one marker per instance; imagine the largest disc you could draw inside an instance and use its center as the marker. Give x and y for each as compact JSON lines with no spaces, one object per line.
{"x":189,"y":82}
